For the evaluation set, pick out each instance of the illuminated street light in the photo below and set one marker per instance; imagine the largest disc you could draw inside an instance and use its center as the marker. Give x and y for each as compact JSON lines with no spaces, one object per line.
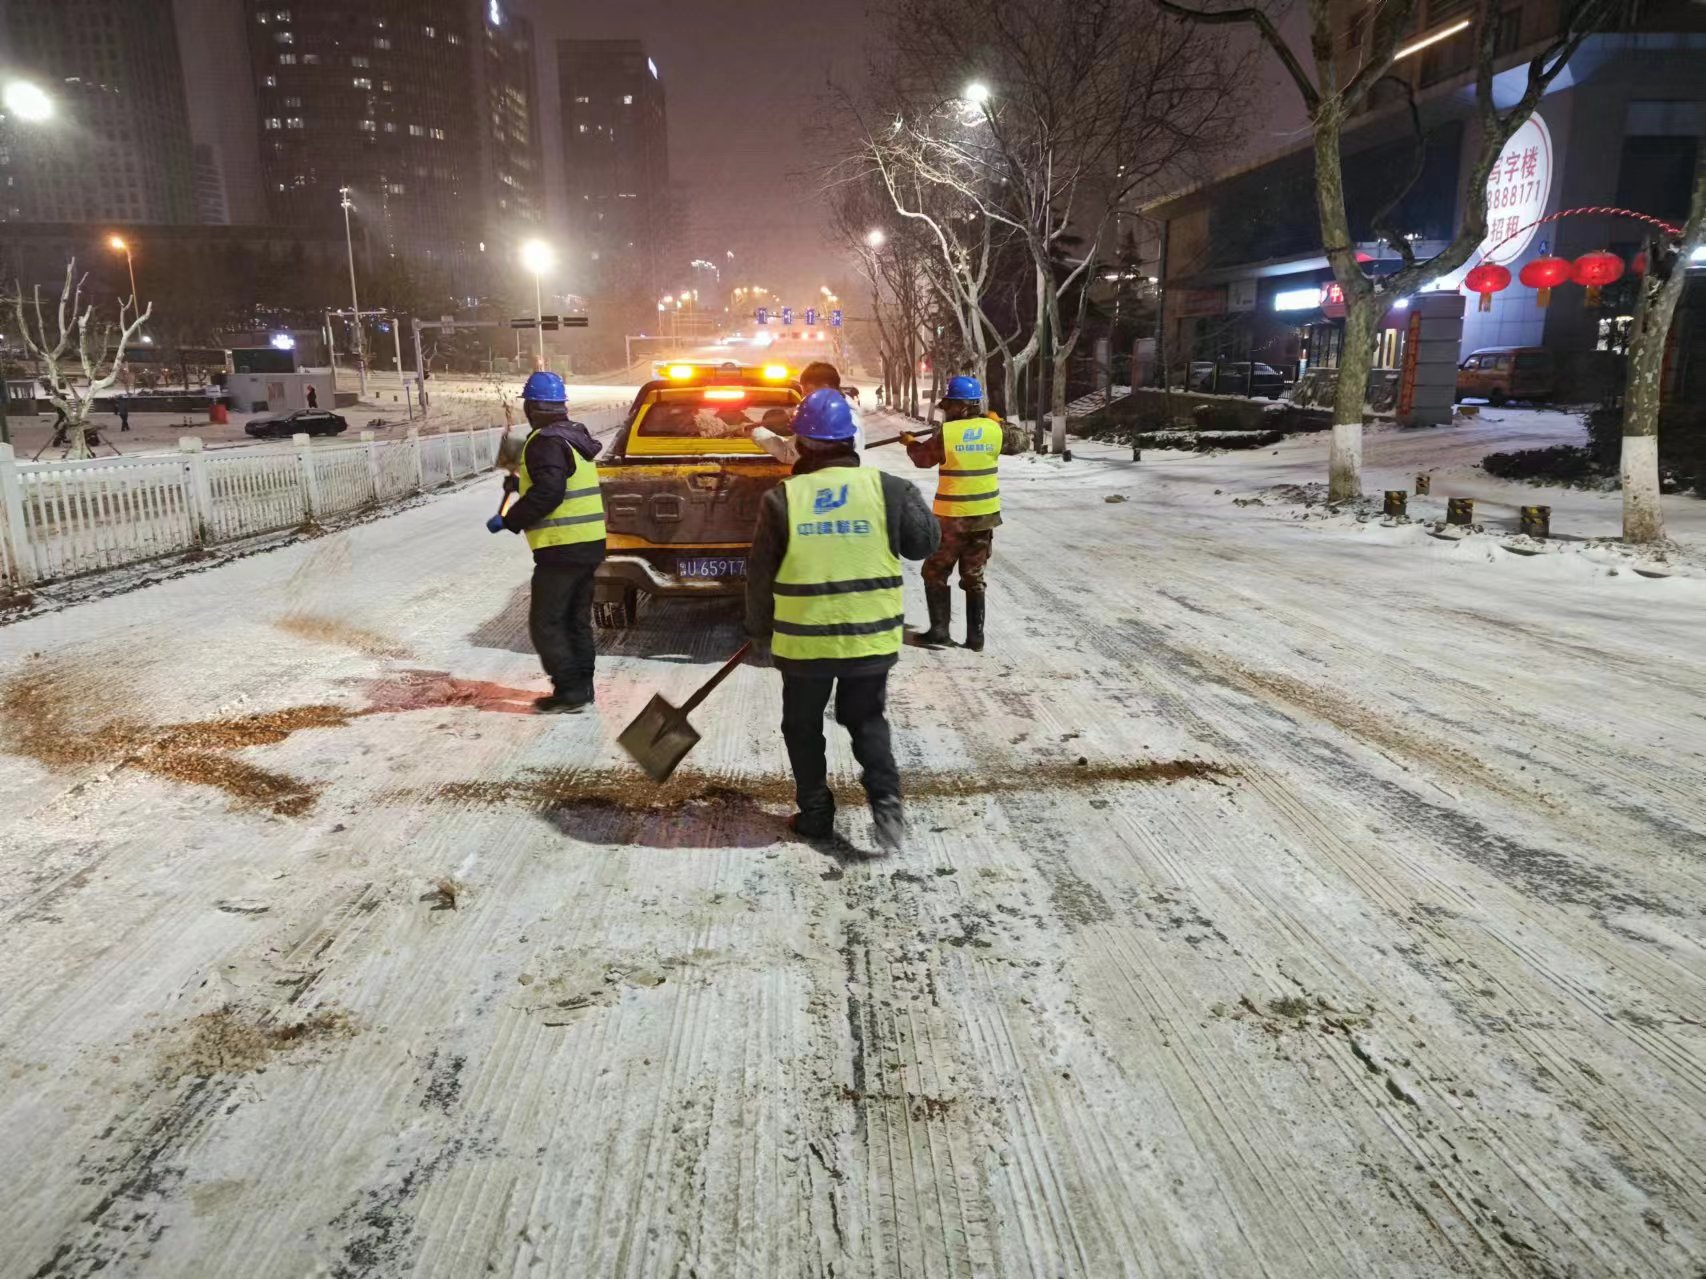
{"x":118,"y":244}
{"x":876,"y":239}
{"x":538,"y":257}
{"x":977,"y":93}
{"x":29,"y":102}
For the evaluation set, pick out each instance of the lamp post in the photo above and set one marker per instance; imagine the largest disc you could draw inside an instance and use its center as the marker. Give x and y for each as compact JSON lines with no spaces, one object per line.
{"x":119,"y":243}
{"x":538,"y":258}
{"x":354,"y":302}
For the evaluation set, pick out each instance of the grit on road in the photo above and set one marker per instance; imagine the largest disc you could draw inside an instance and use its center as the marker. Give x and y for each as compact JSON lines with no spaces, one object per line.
{"x":1284,"y":897}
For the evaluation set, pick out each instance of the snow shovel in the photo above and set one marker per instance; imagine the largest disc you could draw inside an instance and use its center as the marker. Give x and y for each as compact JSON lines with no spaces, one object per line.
{"x":660,"y":736}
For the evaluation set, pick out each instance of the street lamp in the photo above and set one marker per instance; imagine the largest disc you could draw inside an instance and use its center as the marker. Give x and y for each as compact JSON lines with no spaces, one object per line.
{"x":354,"y":301}
{"x":118,"y":244}
{"x":29,"y":102}
{"x":977,"y":93}
{"x":875,"y":238}
{"x":538,"y":257}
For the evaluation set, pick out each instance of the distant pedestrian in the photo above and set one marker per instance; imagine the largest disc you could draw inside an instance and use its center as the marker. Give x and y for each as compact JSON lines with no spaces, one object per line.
{"x":313,"y":397}
{"x":124,"y":413}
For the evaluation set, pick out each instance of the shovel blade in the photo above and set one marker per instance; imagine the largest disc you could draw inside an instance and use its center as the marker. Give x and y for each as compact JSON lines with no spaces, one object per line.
{"x":658,"y":739}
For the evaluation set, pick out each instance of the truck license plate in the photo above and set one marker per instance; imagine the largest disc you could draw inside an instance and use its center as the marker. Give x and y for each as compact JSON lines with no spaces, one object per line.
{"x":713,"y":568}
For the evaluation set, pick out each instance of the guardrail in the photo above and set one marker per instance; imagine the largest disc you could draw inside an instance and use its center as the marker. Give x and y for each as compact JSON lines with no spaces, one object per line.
{"x":65,"y":519}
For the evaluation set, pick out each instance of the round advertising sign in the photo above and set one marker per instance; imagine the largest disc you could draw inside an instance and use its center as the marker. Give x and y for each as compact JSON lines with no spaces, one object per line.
{"x":1518,"y":190}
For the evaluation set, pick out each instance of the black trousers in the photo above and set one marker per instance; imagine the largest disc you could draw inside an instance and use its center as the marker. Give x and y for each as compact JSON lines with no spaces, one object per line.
{"x":559,"y":618}
{"x":860,"y":703}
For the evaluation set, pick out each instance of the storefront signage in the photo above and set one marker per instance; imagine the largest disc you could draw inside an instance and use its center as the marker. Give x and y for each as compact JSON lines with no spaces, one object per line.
{"x":1333,"y":300}
{"x":1241,"y":295}
{"x":1202,"y":302}
{"x":1297,"y":299}
{"x":1518,"y":191}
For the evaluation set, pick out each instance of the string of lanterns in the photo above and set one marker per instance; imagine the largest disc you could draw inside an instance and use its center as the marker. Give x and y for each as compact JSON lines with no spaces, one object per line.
{"x":1594,"y":271}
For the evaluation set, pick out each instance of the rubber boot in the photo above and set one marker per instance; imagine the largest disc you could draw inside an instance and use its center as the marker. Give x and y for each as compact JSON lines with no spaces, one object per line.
{"x":974,"y":621}
{"x":889,"y":823}
{"x":940,"y":601}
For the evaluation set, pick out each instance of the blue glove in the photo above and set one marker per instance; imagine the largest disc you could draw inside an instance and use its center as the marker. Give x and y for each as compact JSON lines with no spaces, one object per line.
{"x":495,"y":524}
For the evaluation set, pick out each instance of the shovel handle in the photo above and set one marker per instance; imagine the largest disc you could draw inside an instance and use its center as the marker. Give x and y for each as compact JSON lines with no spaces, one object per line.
{"x":709,"y":686}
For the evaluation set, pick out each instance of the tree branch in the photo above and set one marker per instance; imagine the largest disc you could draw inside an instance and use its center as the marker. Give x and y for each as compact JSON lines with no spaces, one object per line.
{"x":1265,"y":27}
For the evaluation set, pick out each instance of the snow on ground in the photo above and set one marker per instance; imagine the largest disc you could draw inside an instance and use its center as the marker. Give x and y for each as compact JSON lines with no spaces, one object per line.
{"x":1280,"y":901}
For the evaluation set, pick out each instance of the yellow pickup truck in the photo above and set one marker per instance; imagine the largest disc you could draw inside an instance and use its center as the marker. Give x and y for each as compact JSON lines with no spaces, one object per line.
{"x":682,"y":483}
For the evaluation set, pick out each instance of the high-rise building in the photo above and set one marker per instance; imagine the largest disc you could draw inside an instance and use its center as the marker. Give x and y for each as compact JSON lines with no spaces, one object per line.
{"x":117,"y":147}
{"x":616,"y":164}
{"x":219,"y":87}
{"x":424,"y":109}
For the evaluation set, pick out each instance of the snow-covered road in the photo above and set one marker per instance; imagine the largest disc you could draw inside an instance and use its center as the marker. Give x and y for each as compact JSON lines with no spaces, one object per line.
{"x":1285,"y":898}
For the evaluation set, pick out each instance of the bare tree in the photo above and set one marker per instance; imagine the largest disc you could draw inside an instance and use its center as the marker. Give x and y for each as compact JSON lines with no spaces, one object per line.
{"x":76,"y":322}
{"x":1048,"y":118}
{"x":1661,"y":287}
{"x":1332,"y":99}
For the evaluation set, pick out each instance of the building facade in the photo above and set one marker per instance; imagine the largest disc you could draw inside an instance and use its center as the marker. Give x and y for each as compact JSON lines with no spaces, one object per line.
{"x":424,"y":109}
{"x":1244,"y":274}
{"x":619,"y":214}
{"x":118,"y":146}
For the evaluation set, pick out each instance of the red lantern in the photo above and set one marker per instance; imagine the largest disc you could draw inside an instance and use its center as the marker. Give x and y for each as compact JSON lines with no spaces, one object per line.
{"x":1596,"y":270}
{"x":1543,"y":275}
{"x":1487,"y":279}
{"x":1639,"y":265}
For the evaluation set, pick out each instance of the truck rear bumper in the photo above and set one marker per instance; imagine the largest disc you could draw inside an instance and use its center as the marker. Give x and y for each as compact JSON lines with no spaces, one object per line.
{"x":630,"y":571}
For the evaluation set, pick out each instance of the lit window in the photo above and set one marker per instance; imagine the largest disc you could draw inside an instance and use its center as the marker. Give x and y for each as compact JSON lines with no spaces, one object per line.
{"x":358,"y":61}
{"x":431,"y":33}
{"x":416,"y":131}
{"x":293,"y":122}
{"x":263,"y":20}
{"x":273,"y":122}
{"x":287,"y":59}
{"x":395,"y":188}
{"x":381,"y":42}
{"x":385,"y":86}
{"x":583,"y":99}
{"x":583,"y":128}
{"x":390,"y":127}
{"x":272,"y":82}
{"x":362,"y":82}
{"x":439,"y":134}
{"x":627,"y":99}
{"x":310,"y":59}
{"x":283,"y":15}
{"x":368,"y":126}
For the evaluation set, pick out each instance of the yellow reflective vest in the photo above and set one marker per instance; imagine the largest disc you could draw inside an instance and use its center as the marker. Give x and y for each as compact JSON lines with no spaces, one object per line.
{"x":579,"y":517}
{"x":968,"y":483}
{"x":838,"y":589}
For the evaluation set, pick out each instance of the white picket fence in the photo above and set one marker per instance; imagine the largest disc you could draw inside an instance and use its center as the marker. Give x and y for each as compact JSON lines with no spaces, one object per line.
{"x":63,"y":519}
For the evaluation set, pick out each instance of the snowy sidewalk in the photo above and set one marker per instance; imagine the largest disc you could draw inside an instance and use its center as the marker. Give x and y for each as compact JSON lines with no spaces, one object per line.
{"x":1279,"y":903}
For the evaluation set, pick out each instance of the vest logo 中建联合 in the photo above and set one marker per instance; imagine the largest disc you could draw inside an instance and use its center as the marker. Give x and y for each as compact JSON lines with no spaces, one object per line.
{"x":829,"y":500}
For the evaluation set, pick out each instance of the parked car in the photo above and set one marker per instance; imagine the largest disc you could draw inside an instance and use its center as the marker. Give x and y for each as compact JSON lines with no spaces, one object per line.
{"x":1500,"y":373}
{"x":282,"y":426}
{"x":1235,"y":375}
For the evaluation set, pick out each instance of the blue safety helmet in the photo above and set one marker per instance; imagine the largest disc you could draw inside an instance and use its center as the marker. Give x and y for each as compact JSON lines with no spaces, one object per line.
{"x":824,"y":415}
{"x":964,"y":388}
{"x":545,"y":388}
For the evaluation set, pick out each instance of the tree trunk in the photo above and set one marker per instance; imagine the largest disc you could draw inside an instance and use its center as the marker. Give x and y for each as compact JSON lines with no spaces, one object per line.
{"x":1649,"y":335}
{"x":1344,"y":463}
{"x":1057,"y":409}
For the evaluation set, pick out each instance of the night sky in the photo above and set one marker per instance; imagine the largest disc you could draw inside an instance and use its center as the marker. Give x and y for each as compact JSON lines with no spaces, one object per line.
{"x":743,"y":79}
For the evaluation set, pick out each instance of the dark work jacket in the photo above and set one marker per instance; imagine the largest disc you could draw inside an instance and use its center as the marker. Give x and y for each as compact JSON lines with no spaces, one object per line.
{"x":913,"y":534}
{"x":555,"y":454}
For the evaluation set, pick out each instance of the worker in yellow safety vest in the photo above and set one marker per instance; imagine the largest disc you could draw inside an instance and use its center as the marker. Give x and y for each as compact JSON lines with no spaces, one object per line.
{"x":824,"y":590}
{"x":561,"y":511}
{"x":967,"y":448}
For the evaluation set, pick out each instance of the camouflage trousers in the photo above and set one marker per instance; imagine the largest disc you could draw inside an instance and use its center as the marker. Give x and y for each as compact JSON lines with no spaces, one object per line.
{"x":970,"y":551}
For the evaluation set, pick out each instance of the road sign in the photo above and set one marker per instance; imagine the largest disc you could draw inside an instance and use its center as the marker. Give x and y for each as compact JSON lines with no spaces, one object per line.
{"x":811,"y":315}
{"x":525,"y":322}
{"x":575,"y":321}
{"x":787,"y":315}
{"x":835,"y":318}
{"x":763,"y":316}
